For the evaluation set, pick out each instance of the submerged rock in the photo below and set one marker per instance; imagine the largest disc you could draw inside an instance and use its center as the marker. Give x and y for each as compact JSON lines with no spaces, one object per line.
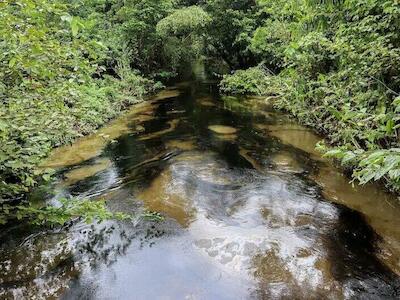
{"x":221,"y":129}
{"x":206,"y":101}
{"x":284,"y":161}
{"x":182,"y":145}
{"x":78,"y":174}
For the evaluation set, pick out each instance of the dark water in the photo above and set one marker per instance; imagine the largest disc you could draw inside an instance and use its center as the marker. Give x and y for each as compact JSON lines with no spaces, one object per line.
{"x":251,"y":212}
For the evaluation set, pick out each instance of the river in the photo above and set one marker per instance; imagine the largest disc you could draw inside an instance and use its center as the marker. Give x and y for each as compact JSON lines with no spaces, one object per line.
{"x":251,"y":211}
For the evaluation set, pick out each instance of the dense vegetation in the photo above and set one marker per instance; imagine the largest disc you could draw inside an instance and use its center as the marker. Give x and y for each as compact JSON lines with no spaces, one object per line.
{"x":334,"y":66}
{"x":66,"y":67}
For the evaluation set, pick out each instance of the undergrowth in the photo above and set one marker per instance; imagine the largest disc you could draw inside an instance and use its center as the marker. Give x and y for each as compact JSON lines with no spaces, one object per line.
{"x":333,"y":65}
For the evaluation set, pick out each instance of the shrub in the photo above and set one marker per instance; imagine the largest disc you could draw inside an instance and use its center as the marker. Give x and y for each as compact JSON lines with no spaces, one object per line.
{"x":252,"y":81}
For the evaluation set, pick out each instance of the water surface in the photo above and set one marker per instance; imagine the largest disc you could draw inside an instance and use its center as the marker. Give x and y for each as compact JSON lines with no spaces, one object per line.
{"x":251,"y":211}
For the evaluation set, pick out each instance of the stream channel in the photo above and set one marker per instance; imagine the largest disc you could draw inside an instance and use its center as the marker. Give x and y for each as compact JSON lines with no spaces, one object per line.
{"x":251,"y":211}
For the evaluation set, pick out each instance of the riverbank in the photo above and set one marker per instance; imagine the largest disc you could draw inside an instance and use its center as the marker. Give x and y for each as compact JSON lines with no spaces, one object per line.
{"x":91,"y":146}
{"x":31,"y":129}
{"x":333,"y":66}
{"x":362,"y":140}
{"x":66,"y":68}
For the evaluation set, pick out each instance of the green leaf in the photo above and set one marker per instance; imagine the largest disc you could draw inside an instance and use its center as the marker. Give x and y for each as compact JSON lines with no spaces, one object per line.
{"x":12,"y":62}
{"x":74,"y":27}
{"x":46,"y":177}
{"x":66,"y":18}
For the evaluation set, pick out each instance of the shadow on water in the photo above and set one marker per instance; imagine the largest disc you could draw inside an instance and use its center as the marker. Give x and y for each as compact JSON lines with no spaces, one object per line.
{"x":353,"y":245}
{"x":251,"y":211}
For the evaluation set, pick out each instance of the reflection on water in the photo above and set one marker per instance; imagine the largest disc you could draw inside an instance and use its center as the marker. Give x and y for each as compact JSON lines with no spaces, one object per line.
{"x":251,"y":211}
